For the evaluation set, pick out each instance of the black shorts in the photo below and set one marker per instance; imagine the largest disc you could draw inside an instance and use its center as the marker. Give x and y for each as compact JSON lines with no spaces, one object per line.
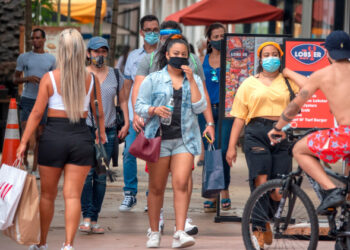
{"x":261,"y":157}
{"x":63,"y":142}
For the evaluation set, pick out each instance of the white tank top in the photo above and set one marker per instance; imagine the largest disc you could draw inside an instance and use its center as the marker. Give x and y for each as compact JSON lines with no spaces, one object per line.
{"x":56,"y":102}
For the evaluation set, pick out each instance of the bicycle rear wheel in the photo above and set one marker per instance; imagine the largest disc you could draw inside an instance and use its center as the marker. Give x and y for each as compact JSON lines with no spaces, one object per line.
{"x":300,"y":231}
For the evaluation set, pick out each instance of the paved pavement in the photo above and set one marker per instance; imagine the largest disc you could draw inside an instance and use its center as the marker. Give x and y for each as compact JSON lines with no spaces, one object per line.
{"x":128,"y":230}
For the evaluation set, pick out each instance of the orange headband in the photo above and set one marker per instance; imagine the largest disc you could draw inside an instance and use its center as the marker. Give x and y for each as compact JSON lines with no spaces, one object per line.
{"x":276,"y":45}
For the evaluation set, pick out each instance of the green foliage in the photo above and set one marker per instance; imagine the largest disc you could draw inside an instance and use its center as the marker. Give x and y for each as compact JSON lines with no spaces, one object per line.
{"x":42,"y":11}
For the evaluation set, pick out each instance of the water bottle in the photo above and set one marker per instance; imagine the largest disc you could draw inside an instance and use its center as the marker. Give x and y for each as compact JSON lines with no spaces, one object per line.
{"x":170,"y":106}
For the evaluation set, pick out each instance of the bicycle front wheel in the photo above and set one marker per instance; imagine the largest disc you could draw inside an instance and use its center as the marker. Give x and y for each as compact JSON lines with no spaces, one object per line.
{"x":271,"y":221}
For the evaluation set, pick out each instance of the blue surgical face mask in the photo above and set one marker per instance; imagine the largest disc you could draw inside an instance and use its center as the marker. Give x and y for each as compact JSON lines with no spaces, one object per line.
{"x":271,"y":64}
{"x":151,"y":38}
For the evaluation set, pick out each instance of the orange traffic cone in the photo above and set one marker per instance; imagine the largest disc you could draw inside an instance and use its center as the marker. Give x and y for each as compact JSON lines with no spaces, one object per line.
{"x":11,"y":140}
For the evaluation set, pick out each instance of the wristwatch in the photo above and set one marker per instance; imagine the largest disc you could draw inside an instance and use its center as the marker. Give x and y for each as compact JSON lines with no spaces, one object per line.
{"x":210,"y":124}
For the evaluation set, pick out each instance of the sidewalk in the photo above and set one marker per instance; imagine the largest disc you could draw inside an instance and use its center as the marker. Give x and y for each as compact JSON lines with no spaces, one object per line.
{"x":128,"y":230}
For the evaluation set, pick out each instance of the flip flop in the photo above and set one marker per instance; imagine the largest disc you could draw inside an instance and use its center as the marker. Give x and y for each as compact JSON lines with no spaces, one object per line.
{"x":209,"y":206}
{"x":97,"y":229}
{"x":85,"y":227}
{"x":226,"y":204}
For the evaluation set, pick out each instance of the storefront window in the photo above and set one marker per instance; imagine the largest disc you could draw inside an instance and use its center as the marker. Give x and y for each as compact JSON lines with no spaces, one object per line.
{"x":322,"y":18}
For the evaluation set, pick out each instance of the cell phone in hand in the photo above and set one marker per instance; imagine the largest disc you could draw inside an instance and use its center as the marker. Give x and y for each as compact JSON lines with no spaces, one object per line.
{"x":276,"y":136}
{"x":207,"y":136}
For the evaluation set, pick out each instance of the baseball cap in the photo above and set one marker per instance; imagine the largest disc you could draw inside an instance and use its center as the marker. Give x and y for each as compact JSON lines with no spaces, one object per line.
{"x":338,"y":45}
{"x":97,"y":42}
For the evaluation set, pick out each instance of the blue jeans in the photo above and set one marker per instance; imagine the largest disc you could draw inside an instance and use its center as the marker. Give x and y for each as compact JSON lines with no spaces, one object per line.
{"x":129,"y":163}
{"x":225,"y":137}
{"x":95,"y":186}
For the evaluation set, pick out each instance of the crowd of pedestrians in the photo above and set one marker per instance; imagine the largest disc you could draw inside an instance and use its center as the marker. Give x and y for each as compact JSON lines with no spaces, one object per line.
{"x":162,"y":71}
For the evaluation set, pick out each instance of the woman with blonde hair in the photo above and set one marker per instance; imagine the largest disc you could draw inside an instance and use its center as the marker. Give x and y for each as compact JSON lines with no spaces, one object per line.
{"x":66,"y":143}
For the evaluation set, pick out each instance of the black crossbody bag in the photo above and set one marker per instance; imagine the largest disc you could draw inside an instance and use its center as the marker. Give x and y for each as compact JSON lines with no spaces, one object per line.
{"x":120,"y":121}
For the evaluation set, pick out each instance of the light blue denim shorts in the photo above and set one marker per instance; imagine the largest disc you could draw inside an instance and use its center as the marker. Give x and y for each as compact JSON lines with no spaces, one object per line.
{"x":172,"y":147}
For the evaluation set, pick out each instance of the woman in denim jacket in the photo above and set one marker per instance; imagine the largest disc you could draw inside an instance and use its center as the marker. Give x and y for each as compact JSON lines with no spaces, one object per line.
{"x":181,"y":140}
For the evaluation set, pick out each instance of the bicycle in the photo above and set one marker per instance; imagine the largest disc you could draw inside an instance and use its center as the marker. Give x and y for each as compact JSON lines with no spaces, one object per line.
{"x":291,"y":214}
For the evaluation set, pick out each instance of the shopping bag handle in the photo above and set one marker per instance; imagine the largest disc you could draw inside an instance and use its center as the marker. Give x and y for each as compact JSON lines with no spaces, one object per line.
{"x":17,"y":163}
{"x":211,"y":147}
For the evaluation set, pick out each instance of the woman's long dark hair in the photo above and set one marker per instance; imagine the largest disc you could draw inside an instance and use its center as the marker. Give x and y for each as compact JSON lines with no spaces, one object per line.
{"x":210,"y":29}
{"x":162,"y":61}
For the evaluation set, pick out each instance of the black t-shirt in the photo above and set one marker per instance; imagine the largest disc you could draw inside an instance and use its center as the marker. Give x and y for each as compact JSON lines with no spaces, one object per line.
{"x":173,"y":131}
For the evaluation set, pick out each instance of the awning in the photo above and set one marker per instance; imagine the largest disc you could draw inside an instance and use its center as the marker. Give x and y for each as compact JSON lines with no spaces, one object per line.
{"x":206,"y":12}
{"x":81,"y":10}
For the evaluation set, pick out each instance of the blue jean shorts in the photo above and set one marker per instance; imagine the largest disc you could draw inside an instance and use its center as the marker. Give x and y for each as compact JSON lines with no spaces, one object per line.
{"x":26,"y":105}
{"x":172,"y":147}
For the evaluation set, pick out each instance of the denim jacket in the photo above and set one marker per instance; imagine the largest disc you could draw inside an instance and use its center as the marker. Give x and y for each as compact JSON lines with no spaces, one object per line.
{"x":156,"y":90}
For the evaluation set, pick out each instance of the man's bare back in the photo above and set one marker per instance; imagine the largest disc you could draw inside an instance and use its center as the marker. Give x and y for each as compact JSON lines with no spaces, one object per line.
{"x":332,"y":144}
{"x":334,"y":82}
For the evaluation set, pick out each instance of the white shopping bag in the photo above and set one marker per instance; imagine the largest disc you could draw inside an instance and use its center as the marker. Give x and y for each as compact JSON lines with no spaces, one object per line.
{"x":12,"y":181}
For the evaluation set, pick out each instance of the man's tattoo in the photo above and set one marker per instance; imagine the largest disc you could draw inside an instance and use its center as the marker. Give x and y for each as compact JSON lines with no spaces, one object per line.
{"x":291,"y":110}
{"x":285,"y":118}
{"x":304,"y":94}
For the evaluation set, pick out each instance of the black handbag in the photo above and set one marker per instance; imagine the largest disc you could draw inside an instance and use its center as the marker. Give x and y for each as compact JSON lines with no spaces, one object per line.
{"x":101,"y":164}
{"x":120,"y":121}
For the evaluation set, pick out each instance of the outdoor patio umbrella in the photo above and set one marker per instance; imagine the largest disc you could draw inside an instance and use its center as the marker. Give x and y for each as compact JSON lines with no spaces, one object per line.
{"x":81,"y":10}
{"x":206,"y":12}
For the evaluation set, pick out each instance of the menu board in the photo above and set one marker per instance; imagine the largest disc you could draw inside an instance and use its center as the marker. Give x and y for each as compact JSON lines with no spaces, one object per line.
{"x":239,"y":60}
{"x":304,"y":57}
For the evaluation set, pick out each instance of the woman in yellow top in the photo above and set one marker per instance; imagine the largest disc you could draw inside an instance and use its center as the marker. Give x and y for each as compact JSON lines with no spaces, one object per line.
{"x":258,"y":103}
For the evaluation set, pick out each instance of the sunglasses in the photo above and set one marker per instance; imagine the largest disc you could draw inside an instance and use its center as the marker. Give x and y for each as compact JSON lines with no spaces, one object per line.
{"x":214,"y":77}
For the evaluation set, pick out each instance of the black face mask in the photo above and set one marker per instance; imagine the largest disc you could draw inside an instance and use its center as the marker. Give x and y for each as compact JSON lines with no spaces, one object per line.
{"x":216,"y":44}
{"x":177,"y":62}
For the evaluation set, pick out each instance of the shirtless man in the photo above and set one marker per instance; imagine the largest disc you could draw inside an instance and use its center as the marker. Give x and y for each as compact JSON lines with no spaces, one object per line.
{"x":332,"y":144}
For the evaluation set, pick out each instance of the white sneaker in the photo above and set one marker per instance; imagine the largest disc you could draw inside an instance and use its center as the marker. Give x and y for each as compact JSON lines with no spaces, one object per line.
{"x":35,"y":247}
{"x":161,"y":223}
{"x":68,"y":247}
{"x":189,"y":228}
{"x":182,"y":239}
{"x":153,"y":240}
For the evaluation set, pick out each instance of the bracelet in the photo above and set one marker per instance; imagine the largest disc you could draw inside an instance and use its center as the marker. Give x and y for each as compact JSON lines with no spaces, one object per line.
{"x":210,"y":124}
{"x":277,"y":129}
{"x":152,"y":112}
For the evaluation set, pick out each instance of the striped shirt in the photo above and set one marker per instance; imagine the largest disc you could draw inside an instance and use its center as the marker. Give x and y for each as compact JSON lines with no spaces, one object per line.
{"x":108,"y":93}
